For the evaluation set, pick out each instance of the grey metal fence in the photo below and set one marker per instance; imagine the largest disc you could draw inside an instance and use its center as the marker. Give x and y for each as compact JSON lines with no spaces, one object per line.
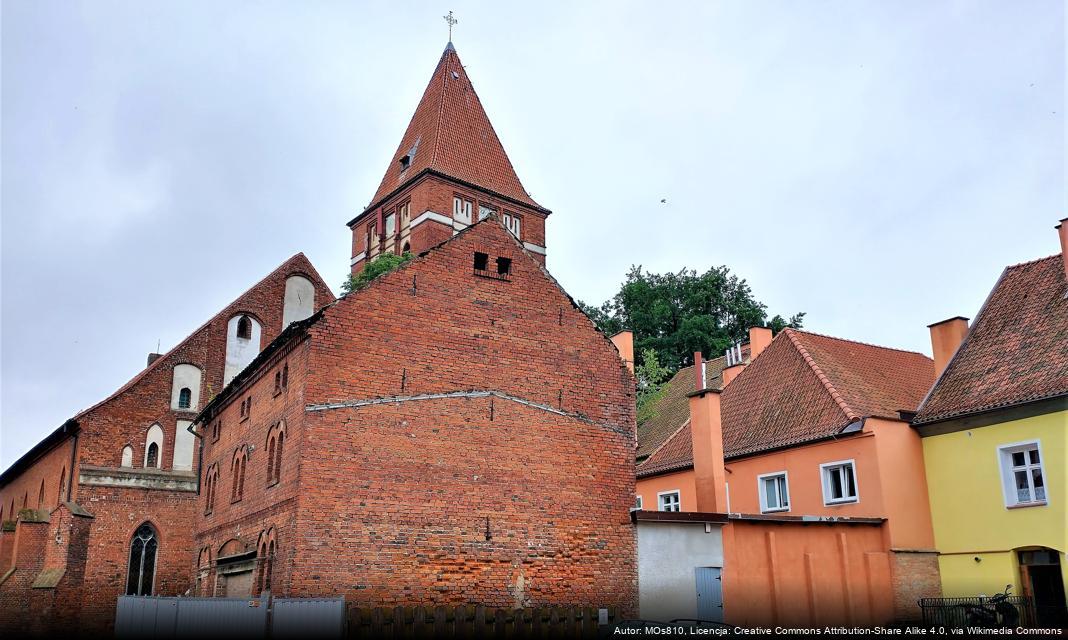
{"x":960,"y":613}
{"x":155,"y":617}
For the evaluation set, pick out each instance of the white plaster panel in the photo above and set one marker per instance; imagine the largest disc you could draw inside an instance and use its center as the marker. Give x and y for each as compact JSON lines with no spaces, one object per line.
{"x":668,"y":554}
{"x":239,"y":351}
{"x":299,"y":302}
{"x":183,"y":447}
{"x":186,"y":376}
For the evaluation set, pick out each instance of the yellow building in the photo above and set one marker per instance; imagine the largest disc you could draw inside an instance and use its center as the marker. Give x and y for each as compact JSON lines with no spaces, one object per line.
{"x":995,"y":441}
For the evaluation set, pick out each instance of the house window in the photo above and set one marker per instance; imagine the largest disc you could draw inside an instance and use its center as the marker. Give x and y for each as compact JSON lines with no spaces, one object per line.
{"x":372,"y":240}
{"x":244,"y":328}
{"x":839,"y":482}
{"x":185,"y":398}
{"x":669,"y":501}
{"x":484,"y":211}
{"x":237,"y":489}
{"x":774,"y":493}
{"x":461,"y":210}
{"x":391,"y":224}
{"x":637,"y":502}
{"x":1022,"y":474}
{"x":277,"y":382}
{"x":513,"y":224}
{"x":481,"y":262}
{"x":405,"y":211}
{"x":285,"y":376}
{"x":142,"y":561}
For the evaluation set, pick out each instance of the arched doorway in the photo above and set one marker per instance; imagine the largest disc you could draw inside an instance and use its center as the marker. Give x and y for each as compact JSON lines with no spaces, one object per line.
{"x":1040,"y":573}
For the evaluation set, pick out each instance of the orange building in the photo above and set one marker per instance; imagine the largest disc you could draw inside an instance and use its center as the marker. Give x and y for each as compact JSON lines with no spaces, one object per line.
{"x":789,"y":431}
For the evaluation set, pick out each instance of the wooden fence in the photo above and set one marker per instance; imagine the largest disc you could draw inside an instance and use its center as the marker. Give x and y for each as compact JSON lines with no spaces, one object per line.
{"x":472,"y":621}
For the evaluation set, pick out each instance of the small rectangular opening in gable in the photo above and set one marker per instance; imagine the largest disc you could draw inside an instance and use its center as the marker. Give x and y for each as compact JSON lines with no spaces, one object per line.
{"x":481,"y":261}
{"x":504,"y":266}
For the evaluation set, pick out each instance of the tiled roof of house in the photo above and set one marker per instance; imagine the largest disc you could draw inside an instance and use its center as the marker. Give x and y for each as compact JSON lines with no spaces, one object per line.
{"x":673,"y":410}
{"x":1016,"y":350}
{"x":451,"y":134}
{"x":803,"y":387}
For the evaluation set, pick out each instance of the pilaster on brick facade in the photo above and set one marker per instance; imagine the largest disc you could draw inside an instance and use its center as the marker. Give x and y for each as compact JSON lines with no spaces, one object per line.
{"x":449,"y":172}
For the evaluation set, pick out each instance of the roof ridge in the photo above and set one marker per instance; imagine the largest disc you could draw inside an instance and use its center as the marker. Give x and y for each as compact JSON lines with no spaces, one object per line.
{"x":1031,"y":262}
{"x":819,"y":374}
{"x":666,"y":440}
{"x":444,"y":66}
{"x":860,"y":342}
{"x":157,"y":362}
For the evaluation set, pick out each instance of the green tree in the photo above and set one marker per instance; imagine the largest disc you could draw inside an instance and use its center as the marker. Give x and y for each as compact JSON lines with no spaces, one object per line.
{"x":676,"y":314}
{"x":651,"y":377}
{"x":381,"y":265}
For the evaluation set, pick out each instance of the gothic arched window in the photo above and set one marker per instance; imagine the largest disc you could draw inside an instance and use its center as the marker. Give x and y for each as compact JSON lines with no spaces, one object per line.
{"x":185,"y":398}
{"x":244,"y":328}
{"x":152,"y":460}
{"x":142,"y":561}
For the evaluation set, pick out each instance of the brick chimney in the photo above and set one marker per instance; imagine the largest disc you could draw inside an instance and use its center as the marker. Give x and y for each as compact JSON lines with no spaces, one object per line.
{"x":731,"y":372}
{"x":624,"y":341}
{"x":152,"y":357}
{"x":1062,"y":230}
{"x":946,"y":336}
{"x":759,"y":339}
{"x":710,"y":476}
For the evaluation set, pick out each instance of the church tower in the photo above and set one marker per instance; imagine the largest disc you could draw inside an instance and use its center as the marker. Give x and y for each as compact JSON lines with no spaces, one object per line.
{"x":449,"y":171}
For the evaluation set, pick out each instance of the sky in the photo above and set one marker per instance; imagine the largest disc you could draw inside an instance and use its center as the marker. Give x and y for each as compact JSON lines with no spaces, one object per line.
{"x":875,"y":164}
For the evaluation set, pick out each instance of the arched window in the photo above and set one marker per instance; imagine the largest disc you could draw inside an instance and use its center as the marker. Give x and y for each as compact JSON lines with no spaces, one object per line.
{"x":269,"y":567}
{"x":207,"y":493}
{"x":278,"y":455}
{"x":62,"y":485}
{"x":142,"y":561}
{"x":285,"y":376}
{"x":154,"y":447}
{"x":24,"y":496}
{"x":127,"y":456}
{"x":40,"y":497}
{"x":237,"y":489}
{"x":244,"y":328}
{"x":185,"y":398}
{"x":270,"y":460}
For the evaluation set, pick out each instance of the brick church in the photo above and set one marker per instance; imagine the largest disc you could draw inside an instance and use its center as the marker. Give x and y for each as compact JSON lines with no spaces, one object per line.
{"x":455,"y":432}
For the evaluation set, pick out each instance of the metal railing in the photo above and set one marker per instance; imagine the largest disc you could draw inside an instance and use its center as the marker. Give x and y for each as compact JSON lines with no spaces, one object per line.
{"x":977,"y":611}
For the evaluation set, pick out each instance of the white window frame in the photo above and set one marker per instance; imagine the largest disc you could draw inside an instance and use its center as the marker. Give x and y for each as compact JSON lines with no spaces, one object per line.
{"x":514,"y":224}
{"x":638,"y":501}
{"x":660,"y":500}
{"x":461,"y":210}
{"x":1008,"y":480}
{"x":764,"y":507}
{"x":824,"y":477}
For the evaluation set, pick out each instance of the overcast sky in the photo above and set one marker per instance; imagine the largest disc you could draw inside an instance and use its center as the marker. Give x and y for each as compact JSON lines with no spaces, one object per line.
{"x":873,"y":163}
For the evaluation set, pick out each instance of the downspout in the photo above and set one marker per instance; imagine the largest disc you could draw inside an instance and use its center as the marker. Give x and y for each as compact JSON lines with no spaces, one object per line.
{"x":200,"y":453}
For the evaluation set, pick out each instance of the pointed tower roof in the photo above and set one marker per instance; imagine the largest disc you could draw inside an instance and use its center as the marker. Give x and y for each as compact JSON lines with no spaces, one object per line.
{"x":450,"y":134}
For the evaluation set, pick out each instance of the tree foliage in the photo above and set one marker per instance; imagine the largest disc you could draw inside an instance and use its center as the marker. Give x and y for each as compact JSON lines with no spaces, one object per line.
{"x":651,"y":377}
{"x":676,"y":314}
{"x":381,"y":265}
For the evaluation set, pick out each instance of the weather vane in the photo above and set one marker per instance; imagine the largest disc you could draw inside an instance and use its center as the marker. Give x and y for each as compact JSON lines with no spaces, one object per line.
{"x":451,"y":20}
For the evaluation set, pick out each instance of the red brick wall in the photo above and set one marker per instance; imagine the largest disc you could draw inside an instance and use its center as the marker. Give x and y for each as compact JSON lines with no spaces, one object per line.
{"x":401,"y":492}
{"x":915,"y":575}
{"x":51,"y":468}
{"x":432,"y":193}
{"x":15,"y":592}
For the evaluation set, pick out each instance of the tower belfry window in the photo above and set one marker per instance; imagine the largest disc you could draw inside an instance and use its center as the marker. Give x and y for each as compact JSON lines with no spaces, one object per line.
{"x":244,"y":328}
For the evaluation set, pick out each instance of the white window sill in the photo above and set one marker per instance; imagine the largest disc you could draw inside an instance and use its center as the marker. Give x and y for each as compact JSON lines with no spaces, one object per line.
{"x":779,"y":510}
{"x":838,"y":503}
{"x":1025,"y":505}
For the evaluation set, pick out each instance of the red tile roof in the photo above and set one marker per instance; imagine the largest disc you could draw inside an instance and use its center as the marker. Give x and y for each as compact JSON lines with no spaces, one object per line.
{"x":451,"y":134}
{"x":1016,"y":350}
{"x":803,"y":387}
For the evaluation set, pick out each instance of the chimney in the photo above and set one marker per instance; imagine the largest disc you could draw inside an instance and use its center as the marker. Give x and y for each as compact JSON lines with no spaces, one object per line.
{"x":946,"y":336}
{"x":1062,"y":229}
{"x":698,"y":370}
{"x":759,"y":339}
{"x":710,"y":476}
{"x":624,"y":341}
{"x":731,"y":372}
{"x":152,"y":357}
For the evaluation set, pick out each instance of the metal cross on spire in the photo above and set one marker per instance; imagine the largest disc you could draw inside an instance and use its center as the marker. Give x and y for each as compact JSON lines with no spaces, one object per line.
{"x":451,"y":21}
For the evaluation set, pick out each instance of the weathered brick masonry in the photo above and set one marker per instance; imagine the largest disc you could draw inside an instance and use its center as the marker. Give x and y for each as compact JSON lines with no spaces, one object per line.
{"x":465,"y":437}
{"x":113,"y":498}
